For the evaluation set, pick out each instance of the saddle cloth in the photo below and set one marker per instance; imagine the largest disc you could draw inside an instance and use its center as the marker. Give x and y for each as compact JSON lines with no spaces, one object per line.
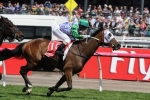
{"x":52,"y":47}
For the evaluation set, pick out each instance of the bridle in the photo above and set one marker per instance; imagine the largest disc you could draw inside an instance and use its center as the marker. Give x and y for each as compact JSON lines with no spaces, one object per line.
{"x":100,"y":41}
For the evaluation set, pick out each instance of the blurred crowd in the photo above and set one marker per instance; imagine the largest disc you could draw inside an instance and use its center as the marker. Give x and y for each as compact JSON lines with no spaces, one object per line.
{"x":121,"y":20}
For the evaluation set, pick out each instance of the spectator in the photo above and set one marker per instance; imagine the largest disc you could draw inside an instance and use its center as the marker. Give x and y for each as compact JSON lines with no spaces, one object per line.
{"x":46,"y":11}
{"x":93,"y":20}
{"x":137,"y":29}
{"x":1,"y":8}
{"x":108,"y":22}
{"x":42,"y":9}
{"x":89,"y":8}
{"x":23,"y":9}
{"x":125,"y":29}
{"x":113,"y":24}
{"x":118,"y":28}
{"x":105,"y":10}
{"x":10,"y":6}
{"x":80,"y":11}
{"x":117,"y":11}
{"x":110,"y":11}
{"x":110,"y":8}
{"x":125,"y":11}
{"x":38,"y":10}
{"x":131,"y":28}
{"x":34,"y":12}
{"x":61,"y":7}
{"x":146,"y":11}
{"x":148,"y":30}
{"x":121,"y":9}
{"x":118,"y":17}
{"x":143,"y":28}
{"x":137,"y":11}
{"x":136,"y":18}
{"x":98,"y":23}
{"x":48,"y":4}
{"x":17,"y":7}
{"x":99,"y":9}
{"x":148,"y":19}
{"x":95,"y":9}
{"x":131,"y":10}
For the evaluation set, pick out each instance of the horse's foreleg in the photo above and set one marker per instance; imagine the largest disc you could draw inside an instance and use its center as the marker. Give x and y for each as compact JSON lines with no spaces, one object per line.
{"x":28,"y":86}
{"x":59,"y":83}
{"x":66,"y":77}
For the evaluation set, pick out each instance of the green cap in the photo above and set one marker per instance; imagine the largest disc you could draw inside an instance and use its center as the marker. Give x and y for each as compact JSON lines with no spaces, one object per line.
{"x":84,"y":22}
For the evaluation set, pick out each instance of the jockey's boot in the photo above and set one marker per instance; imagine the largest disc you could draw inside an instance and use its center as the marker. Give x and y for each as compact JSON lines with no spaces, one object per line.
{"x":60,"y":49}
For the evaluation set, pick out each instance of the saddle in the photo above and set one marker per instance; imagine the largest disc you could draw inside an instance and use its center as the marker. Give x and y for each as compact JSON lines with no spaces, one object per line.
{"x":52,"y":47}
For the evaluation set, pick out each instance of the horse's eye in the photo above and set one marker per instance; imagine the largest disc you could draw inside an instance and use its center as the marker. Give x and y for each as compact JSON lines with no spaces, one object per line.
{"x":109,"y":34}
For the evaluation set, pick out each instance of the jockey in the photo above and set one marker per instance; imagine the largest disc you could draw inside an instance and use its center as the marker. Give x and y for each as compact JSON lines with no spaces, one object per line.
{"x":70,"y":31}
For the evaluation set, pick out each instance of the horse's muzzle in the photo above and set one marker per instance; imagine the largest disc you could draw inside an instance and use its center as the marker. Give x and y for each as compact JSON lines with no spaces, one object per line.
{"x":116,"y":47}
{"x":20,"y":38}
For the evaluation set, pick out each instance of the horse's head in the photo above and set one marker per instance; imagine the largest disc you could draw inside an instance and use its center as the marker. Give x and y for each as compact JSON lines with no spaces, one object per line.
{"x":106,"y":37}
{"x":9,"y":30}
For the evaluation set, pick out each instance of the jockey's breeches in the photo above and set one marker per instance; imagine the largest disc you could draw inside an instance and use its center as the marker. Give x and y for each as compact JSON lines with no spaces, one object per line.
{"x":58,"y":33}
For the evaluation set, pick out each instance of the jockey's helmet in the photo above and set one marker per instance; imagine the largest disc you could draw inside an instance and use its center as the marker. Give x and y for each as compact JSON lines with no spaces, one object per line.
{"x":84,"y":22}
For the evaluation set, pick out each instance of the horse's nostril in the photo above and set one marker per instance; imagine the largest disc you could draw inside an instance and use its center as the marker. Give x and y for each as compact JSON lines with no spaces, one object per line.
{"x":118,"y":45}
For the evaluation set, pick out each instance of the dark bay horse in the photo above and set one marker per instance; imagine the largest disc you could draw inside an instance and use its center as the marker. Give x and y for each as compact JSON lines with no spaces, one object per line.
{"x":77,"y":56}
{"x":9,"y":31}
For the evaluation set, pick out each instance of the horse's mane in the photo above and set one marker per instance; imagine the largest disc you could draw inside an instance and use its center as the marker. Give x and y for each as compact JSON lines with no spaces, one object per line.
{"x":77,"y":41}
{"x":97,"y":31}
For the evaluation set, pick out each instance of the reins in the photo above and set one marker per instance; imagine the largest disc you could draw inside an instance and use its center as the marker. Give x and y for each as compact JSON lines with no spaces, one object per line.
{"x":80,"y":54}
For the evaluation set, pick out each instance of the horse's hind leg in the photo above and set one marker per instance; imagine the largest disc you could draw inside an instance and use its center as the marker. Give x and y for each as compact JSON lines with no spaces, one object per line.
{"x":28,"y":86}
{"x":66,"y":77}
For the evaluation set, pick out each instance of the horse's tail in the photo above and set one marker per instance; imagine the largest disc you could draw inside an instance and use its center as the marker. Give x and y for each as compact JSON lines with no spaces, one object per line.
{"x":8,"y":53}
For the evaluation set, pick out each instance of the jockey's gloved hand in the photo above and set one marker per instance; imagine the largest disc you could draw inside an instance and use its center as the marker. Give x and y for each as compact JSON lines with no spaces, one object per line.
{"x":86,"y":36}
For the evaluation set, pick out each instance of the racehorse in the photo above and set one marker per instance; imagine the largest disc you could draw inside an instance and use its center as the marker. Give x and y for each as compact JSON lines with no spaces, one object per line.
{"x":77,"y":56}
{"x":9,"y":31}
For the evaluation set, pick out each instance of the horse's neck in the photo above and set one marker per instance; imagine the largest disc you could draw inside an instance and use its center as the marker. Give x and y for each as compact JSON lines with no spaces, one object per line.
{"x":90,"y":47}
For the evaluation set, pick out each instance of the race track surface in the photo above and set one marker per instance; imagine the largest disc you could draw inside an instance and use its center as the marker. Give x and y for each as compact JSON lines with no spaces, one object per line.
{"x":50,"y":78}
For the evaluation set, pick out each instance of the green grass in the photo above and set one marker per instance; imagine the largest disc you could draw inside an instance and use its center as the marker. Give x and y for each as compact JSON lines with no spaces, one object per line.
{"x":14,"y":92}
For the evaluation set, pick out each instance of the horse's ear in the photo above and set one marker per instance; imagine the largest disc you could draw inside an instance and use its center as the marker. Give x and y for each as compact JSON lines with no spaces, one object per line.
{"x":2,"y":17}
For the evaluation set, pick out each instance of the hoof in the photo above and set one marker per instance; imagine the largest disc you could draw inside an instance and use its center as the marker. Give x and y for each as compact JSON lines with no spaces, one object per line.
{"x":24,"y":89}
{"x":49,"y":93}
{"x":50,"y":88}
{"x":28,"y":91}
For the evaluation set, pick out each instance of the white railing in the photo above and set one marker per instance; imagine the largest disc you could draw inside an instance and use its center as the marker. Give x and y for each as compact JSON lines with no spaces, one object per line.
{"x":2,"y":64}
{"x":143,"y":42}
